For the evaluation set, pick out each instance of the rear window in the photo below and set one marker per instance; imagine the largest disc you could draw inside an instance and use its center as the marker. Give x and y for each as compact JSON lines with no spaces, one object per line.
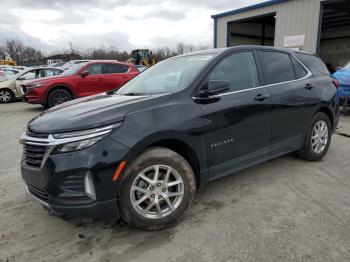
{"x":315,"y":65}
{"x":278,"y":67}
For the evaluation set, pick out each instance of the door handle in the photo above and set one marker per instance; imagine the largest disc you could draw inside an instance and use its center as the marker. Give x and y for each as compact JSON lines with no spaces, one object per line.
{"x":99,"y":79}
{"x":261,"y":97}
{"x":309,"y":86}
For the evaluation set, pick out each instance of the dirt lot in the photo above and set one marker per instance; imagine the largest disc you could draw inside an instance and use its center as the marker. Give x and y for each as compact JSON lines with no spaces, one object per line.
{"x":283,"y":210}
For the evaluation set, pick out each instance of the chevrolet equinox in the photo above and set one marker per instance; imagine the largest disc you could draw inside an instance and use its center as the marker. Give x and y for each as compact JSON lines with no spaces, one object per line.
{"x":141,"y":152}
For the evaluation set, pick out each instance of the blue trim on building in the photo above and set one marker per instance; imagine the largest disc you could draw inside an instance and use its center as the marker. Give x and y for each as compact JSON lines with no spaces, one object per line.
{"x":215,"y":32}
{"x":248,"y":8}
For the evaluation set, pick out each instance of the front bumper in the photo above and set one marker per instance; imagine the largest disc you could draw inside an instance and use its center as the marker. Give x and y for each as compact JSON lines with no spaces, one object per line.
{"x":107,"y":210}
{"x":34,"y":95}
{"x":59,"y":183}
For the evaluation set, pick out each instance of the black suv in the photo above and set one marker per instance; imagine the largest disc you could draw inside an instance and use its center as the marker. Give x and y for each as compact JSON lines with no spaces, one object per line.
{"x":141,"y":152}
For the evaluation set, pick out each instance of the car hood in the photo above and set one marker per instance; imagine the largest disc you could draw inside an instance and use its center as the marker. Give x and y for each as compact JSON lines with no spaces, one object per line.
{"x":90,"y":112}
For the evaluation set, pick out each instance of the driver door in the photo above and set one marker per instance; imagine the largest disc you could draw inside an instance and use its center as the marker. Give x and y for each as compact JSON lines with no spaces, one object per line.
{"x":239,"y":120}
{"x":93,"y":83}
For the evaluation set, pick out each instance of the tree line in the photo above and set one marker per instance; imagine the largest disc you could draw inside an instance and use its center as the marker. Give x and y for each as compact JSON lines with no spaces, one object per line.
{"x":24,"y":54}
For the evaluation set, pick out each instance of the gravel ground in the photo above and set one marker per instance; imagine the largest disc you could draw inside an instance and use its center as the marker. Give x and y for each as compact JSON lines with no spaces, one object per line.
{"x":283,"y":210}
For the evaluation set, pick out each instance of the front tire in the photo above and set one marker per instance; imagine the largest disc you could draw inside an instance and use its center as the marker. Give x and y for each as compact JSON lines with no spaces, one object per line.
{"x":6,"y":96}
{"x":317,"y":139}
{"x":57,"y":97}
{"x":156,"y":189}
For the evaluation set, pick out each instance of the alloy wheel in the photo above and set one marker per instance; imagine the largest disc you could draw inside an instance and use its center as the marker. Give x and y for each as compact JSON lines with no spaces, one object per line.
{"x":5,"y":96}
{"x":319,"y":137}
{"x":60,"y":98}
{"x":157,"y":191}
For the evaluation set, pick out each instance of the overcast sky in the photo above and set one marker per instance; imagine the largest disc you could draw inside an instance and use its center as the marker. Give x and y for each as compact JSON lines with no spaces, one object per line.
{"x":51,"y":24}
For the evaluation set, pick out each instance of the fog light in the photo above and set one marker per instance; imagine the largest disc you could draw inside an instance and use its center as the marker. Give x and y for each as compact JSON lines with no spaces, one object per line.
{"x":89,"y":186}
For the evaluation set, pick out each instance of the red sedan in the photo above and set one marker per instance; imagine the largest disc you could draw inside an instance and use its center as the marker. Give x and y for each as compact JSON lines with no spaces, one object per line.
{"x":78,"y":81}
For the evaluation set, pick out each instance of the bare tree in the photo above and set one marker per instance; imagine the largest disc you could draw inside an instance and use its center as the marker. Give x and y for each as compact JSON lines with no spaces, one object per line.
{"x":21,"y":53}
{"x":180,"y":48}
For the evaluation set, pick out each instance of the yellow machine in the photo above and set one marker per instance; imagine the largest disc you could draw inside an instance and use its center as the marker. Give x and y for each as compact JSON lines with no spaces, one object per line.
{"x":8,"y":62}
{"x":142,"y":57}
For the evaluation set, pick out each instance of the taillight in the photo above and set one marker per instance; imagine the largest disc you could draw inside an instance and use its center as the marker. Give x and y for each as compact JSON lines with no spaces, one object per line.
{"x":336,"y":83}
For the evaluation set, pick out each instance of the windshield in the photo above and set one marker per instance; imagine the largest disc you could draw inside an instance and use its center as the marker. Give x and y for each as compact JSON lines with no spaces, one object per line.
{"x":171,"y":75}
{"x":73,"y":70}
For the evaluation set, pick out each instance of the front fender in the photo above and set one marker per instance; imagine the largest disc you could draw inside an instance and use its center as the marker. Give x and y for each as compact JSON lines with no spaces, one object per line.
{"x":196,"y":145}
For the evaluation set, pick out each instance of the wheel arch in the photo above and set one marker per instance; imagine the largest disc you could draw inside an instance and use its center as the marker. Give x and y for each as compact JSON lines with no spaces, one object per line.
{"x":178,"y":145}
{"x":60,"y":86}
{"x":329,"y":113}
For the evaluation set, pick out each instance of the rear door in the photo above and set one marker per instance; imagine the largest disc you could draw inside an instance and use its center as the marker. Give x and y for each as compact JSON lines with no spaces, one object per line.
{"x":294,"y":99}
{"x":238,"y":132}
{"x":116,"y":75}
{"x":93,"y":83}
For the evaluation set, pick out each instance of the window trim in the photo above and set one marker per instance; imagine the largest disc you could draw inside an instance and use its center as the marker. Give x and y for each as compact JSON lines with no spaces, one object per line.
{"x":309,"y":74}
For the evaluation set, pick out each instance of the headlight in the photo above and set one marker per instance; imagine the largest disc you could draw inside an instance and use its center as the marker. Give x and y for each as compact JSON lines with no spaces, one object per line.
{"x":36,"y":85}
{"x":79,"y":145}
{"x":78,"y":140}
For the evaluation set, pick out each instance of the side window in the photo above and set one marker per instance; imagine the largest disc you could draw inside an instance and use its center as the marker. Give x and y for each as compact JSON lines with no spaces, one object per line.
{"x":115,"y":69}
{"x":52,"y":72}
{"x":42,"y":73}
{"x":31,"y":75}
{"x":300,"y":71}
{"x":313,"y":63}
{"x":9,"y":72}
{"x":94,"y":69}
{"x":239,"y":69}
{"x":277,"y":67}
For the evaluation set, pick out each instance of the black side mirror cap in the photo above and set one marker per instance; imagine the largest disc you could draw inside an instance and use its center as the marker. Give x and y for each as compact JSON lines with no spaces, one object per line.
{"x":84,"y":74}
{"x":214,"y":87}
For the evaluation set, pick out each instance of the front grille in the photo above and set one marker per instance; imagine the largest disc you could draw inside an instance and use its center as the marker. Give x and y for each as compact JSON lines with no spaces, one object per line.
{"x":38,"y":193}
{"x":36,"y":135}
{"x":33,"y":155}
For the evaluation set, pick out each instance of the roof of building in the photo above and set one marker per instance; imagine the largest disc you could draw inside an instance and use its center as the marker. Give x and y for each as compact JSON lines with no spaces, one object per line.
{"x":248,"y":8}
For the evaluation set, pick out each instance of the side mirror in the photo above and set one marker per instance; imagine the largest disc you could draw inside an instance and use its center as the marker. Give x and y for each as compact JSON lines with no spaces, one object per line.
{"x":21,"y":78}
{"x":214,"y":87}
{"x":84,"y":74}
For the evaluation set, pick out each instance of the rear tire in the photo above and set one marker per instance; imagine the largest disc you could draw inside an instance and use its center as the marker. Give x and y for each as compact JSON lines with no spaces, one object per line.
{"x":57,"y":97}
{"x":6,"y":96}
{"x":317,"y":138}
{"x":152,"y":202}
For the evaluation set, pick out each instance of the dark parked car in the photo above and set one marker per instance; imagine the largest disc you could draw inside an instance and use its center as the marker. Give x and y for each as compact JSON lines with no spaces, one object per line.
{"x":82,"y":79}
{"x":141,"y":152}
